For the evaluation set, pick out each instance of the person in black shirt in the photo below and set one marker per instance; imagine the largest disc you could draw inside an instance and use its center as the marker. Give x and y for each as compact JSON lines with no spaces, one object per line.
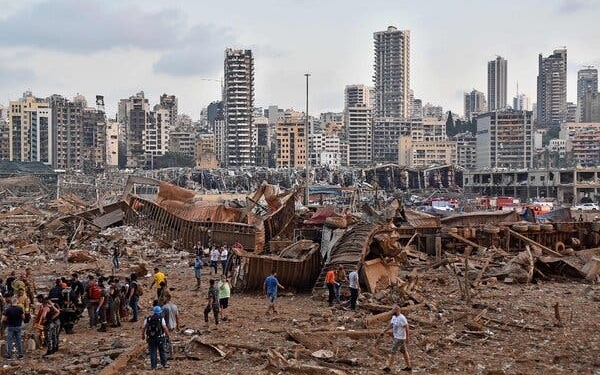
{"x":13,"y":319}
{"x":55,"y":294}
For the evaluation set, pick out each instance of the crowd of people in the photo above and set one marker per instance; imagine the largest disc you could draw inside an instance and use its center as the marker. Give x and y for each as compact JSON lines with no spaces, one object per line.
{"x":112,"y":300}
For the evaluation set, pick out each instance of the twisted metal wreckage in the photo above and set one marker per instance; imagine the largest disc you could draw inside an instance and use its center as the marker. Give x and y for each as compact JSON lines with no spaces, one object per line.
{"x":271,"y":234}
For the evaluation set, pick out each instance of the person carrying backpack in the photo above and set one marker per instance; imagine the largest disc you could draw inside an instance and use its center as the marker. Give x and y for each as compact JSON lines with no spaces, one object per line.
{"x":154,"y":332}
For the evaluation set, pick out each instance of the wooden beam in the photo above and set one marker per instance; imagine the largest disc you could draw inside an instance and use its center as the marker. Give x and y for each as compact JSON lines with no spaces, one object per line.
{"x":532,"y":242}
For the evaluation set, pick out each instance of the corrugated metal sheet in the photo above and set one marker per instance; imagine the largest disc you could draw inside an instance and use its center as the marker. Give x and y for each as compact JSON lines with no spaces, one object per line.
{"x":294,"y":273}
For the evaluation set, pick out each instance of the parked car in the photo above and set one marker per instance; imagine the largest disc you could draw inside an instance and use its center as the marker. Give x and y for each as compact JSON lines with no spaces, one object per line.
{"x":587,"y":207}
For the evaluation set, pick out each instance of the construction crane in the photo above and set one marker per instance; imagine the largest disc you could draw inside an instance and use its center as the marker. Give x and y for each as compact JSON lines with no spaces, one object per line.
{"x":220,"y":80}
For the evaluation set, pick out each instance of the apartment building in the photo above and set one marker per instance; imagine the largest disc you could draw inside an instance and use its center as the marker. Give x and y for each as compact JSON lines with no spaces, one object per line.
{"x":291,"y":143}
{"x":552,"y":89}
{"x":505,"y":140}
{"x":238,"y":106}
{"x":425,"y":153}
{"x":31,"y":130}
{"x":497,"y":78}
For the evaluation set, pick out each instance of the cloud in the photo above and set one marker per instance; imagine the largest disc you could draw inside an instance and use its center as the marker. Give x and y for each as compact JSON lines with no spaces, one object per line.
{"x":10,"y":75}
{"x":200,"y":52}
{"x":575,"y":6}
{"x":88,"y":26}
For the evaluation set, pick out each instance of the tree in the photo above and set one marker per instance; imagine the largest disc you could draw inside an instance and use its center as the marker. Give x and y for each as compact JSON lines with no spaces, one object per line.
{"x":450,"y":131}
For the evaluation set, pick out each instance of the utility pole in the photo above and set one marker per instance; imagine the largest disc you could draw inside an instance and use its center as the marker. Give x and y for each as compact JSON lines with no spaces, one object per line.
{"x":306,"y":131}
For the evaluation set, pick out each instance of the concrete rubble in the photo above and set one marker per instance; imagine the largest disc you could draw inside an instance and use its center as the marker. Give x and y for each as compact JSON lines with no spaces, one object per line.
{"x":485,"y":293}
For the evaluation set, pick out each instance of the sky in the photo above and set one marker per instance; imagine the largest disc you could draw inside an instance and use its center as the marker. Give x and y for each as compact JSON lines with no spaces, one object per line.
{"x":119,"y":47}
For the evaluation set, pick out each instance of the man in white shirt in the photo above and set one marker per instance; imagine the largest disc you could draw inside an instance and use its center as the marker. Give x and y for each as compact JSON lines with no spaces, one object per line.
{"x":354,"y":286}
{"x":224,"y":256}
{"x":401,"y":335}
{"x":214,"y":258}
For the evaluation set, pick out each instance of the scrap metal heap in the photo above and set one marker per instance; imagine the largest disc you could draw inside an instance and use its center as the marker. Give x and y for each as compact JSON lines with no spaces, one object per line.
{"x":451,"y":276}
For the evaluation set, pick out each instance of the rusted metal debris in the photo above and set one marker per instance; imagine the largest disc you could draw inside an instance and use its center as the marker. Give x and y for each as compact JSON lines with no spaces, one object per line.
{"x":297,"y":267}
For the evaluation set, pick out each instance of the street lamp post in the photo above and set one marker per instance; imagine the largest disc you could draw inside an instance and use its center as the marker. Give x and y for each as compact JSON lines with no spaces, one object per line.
{"x":306,"y":131}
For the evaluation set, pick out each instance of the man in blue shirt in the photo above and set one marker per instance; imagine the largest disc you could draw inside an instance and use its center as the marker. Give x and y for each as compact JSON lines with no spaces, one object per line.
{"x":270,"y":287}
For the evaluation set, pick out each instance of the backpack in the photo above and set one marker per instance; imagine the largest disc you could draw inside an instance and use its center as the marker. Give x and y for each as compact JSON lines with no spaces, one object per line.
{"x":138,"y":289}
{"x":94,"y":292}
{"x":154,"y":328}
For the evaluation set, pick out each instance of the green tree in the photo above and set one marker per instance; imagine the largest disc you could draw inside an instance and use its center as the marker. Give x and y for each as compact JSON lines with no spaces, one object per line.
{"x":450,"y":130}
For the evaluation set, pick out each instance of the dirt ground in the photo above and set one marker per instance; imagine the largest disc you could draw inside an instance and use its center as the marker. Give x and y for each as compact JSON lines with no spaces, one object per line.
{"x":514,"y":330}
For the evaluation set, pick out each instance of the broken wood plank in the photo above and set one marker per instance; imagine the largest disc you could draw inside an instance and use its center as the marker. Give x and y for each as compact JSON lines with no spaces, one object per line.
{"x":466,"y":241}
{"x":532,"y":242}
{"x":121,"y":362}
{"x":373,"y":319}
{"x":480,"y":275}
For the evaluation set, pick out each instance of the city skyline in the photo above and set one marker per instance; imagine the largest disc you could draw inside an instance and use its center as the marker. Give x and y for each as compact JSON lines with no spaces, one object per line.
{"x":110,"y":54}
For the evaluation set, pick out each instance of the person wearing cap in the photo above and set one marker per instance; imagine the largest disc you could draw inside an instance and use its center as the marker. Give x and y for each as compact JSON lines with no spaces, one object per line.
{"x":154,"y":331}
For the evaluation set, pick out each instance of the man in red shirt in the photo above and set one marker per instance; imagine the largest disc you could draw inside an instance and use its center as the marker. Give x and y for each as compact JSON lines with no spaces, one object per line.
{"x":330,"y":282}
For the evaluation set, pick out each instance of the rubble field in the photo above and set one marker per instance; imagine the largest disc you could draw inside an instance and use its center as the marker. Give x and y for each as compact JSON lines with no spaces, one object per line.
{"x":502,"y":329}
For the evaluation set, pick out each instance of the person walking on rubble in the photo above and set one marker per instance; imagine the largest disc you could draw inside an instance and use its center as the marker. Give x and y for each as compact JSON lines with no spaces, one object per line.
{"x":198,"y":271}
{"x":154,"y":332}
{"x":49,"y":318}
{"x":215,"y":255}
{"x":224,"y":295}
{"x":116,"y":254}
{"x":354,"y":286}
{"x":212,"y":303}
{"x":159,"y":277}
{"x":171,"y":315}
{"x":340,"y":276}
{"x":330,"y":283}
{"x":270,"y":287}
{"x":400,"y":337}
{"x":133,"y":296}
{"x":224,"y":255}
{"x":12,"y":318}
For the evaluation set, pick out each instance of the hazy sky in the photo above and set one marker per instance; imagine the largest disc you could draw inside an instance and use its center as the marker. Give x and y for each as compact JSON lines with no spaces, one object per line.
{"x":119,"y":47}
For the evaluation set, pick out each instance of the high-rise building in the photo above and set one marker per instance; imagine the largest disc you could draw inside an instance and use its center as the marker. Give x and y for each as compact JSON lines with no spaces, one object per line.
{"x":94,"y":136}
{"x":359,"y":134}
{"x":30,"y":130}
{"x":466,"y":150}
{"x":505,"y":140}
{"x":521,"y":102}
{"x":391,"y":81}
{"x":263,"y":140}
{"x":474,"y":104}
{"x":169,"y":102}
{"x":112,"y":143}
{"x":497,"y":78}
{"x":358,"y":123}
{"x":571,"y":112}
{"x":591,"y":107}
{"x":291,"y":143}
{"x":587,"y":82}
{"x":238,"y":106}
{"x":146,"y":130}
{"x":552,"y":89}
{"x":392,"y":73}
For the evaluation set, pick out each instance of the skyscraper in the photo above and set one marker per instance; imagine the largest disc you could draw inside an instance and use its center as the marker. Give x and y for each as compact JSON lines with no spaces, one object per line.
{"x":392,"y":85}
{"x":474,"y":104}
{"x":392,"y":73}
{"x":497,"y":74}
{"x":587,"y":82}
{"x":552,"y":89}
{"x":238,"y":106}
